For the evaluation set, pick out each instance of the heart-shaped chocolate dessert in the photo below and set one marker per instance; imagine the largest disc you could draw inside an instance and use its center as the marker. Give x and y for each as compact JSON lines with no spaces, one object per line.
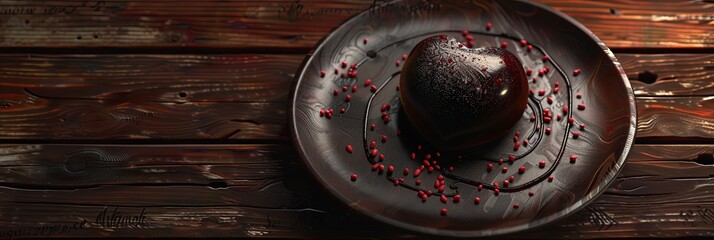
{"x":459,"y":97}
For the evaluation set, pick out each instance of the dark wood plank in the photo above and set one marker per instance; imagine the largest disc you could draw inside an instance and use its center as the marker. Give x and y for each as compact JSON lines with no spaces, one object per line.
{"x":282,"y":200}
{"x":300,"y":24}
{"x":658,"y":117}
{"x":245,"y":96}
{"x":670,"y":74}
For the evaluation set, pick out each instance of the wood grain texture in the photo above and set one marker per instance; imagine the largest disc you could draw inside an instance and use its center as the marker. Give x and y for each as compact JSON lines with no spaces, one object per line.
{"x":244,"y":96}
{"x":669,"y":74}
{"x":173,"y":185}
{"x":675,"y":117}
{"x":293,"y":24}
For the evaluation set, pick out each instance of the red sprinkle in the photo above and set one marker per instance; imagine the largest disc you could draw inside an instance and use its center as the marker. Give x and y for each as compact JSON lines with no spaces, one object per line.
{"x":488,"y":26}
{"x":398,"y":62}
{"x":373,"y":88}
{"x":558,"y":117}
{"x":344,"y":88}
{"x":582,"y":126}
{"x":413,"y":156}
{"x":480,"y":187}
{"x":531,"y":194}
{"x":579,"y":96}
{"x":505,"y":183}
{"x":576,"y":134}
{"x":418,"y":182}
{"x":375,"y":166}
{"x":541,"y":92}
{"x":371,"y":127}
{"x":525,"y":142}
{"x":337,"y":71}
{"x":406,"y":171}
{"x":547,"y":131}
{"x":489,"y":166}
{"x":522,"y":169}
{"x":533,"y":118}
{"x":390,"y":169}
{"x":511,"y":158}
{"x":443,"y":198}
{"x":576,"y":72}
{"x":529,"y":71}
{"x":374,"y":152}
{"x":504,"y":44}
{"x":342,"y":110}
{"x":469,"y":38}
{"x":353,"y":177}
{"x":440,"y":177}
{"x":581,"y":106}
{"x":349,"y":148}
{"x":550,"y":100}
{"x":541,"y":164}
{"x":404,"y":56}
{"x":430,"y":169}
{"x":335,"y":92}
{"x":322,"y":73}
{"x":465,"y":32}
{"x":477,"y":200}
{"x":367,"y":82}
{"x":545,"y":58}
{"x":417,"y":172}
{"x":571,"y":120}
{"x":504,"y":169}
{"x":511,"y":178}
{"x":457,"y":198}
{"x":381,"y":157}
{"x":354,"y":88}
{"x":496,"y":191}
{"x":524,"y":42}
{"x":573,"y":158}
{"x":500,"y":161}
{"x":550,"y":178}
{"x":441,"y":188}
{"x":348,"y":98}
{"x":381,"y":167}
{"x":516,"y":146}
{"x":364,"y":40}
{"x":443,"y":211}
{"x":515,"y":205}
{"x":546,"y":119}
{"x":556,"y":89}
{"x":384,"y":138}
{"x":530,"y":47}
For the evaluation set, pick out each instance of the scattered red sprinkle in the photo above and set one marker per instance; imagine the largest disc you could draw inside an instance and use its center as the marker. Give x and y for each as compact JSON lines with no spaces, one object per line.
{"x":576,"y":134}
{"x":404,"y":56}
{"x":322,"y":112}
{"x":547,"y":131}
{"x":524,"y":42}
{"x":381,"y":157}
{"x":328,"y":115}
{"x":465,"y":32}
{"x":545,"y":58}
{"x":381,"y":167}
{"x":477,"y":200}
{"x":419,"y":147}
{"x":337,"y":71}
{"x":516,"y":146}
{"x":550,"y":100}
{"x":531,"y":194}
{"x":374,"y":152}
{"x":457,"y":198}
{"x":322,"y":73}
{"x":344,"y":88}
{"x":525,"y":142}
{"x":573,"y":158}
{"x":413,"y":156}
{"x":443,"y":211}
{"x":343,"y":64}
{"x":571,"y":120}
{"x":496,"y":191}
{"x":371,"y":127}
{"x":515,"y":205}
{"x":342,"y":110}
{"x":489,"y":167}
{"x":390,"y":169}
{"x":349,"y":148}
{"x":443,"y":198}
{"x":546,"y":119}
{"x":398,"y":62}
{"x":353,"y":177}
{"x":500,"y":161}
{"x":558,"y":117}
{"x":581,"y":106}
{"x":530,"y":47}
{"x":579,"y":96}
{"x":576,"y":72}
{"x":441,"y":188}
{"x":488,"y":26}
{"x":367,"y":82}
{"x":373,"y":88}
{"x":440,"y":177}
{"x":427,"y":156}
{"x":541,"y":92}
{"x":406,"y":171}
{"x":506,"y":183}
{"x":533,"y":118}
{"x":582,"y":126}
{"x":556,"y":89}
{"x":529,"y":71}
{"x":418,"y":182}
{"x":504,"y":44}
{"x":354,"y":88}
{"x":541,"y":73}
{"x":511,"y":178}
{"x":511,"y":158}
{"x":541,"y":164}
{"x":521,"y":169}
{"x":451,"y":168}
{"x":550,"y":178}
{"x":480,"y":187}
{"x":335,"y":92}
{"x":495,"y":184}
{"x":375,"y":166}
{"x":348,"y":98}
{"x":469,"y":37}
{"x":430,"y":169}
{"x":504,"y":169}
{"x":384,"y":138}
{"x":417,"y":172}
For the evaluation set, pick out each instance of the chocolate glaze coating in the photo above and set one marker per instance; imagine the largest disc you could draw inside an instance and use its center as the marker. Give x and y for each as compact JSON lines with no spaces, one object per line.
{"x":459,"y":97}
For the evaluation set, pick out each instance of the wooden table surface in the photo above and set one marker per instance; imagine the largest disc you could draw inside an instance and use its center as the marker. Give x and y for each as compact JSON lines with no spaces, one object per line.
{"x":154,"y":118}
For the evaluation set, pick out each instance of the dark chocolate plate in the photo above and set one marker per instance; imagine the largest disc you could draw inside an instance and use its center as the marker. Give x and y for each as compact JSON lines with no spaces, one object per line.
{"x":574,"y":170}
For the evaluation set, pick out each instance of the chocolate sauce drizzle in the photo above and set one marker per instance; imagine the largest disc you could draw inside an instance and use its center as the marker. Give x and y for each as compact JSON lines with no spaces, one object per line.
{"x":534,"y":104}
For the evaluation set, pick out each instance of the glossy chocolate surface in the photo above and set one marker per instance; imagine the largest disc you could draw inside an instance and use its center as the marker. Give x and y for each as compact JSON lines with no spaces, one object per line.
{"x":461,"y":97}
